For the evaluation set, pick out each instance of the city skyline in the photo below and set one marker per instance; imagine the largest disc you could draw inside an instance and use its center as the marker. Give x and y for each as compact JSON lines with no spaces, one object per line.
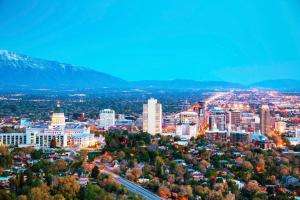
{"x":149,"y":100}
{"x":219,"y":42}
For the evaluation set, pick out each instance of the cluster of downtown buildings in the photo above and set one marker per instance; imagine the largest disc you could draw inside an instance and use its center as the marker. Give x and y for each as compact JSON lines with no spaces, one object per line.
{"x":65,"y":134}
{"x":232,"y":123}
{"x":215,"y":118}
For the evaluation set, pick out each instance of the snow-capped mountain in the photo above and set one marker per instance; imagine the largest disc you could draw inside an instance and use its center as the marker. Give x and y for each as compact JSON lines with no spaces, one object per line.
{"x":18,"y":70}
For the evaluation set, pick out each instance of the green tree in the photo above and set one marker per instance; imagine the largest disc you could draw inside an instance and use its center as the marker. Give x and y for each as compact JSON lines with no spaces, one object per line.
{"x":93,"y":191}
{"x":95,"y":172}
{"x":53,"y":143}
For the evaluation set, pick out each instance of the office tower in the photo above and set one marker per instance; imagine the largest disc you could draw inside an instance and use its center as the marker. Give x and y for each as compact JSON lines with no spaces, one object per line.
{"x":235,"y":120}
{"x":107,"y":118}
{"x":189,"y":117}
{"x":199,"y":108}
{"x":152,"y":117}
{"x":217,"y":120}
{"x":265,"y":119}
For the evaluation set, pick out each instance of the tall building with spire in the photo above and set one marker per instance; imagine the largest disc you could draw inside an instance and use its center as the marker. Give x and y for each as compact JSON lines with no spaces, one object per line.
{"x":265,"y":119}
{"x":152,"y":117}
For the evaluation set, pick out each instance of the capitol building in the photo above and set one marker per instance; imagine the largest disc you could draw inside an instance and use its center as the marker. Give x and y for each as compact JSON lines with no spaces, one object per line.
{"x":65,"y":134}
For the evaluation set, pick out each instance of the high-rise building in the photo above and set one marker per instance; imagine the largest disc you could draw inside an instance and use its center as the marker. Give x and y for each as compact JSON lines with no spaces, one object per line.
{"x":235,"y":120}
{"x":107,"y":118}
{"x":265,"y":119}
{"x":152,"y":117}
{"x":188,"y":117}
{"x":199,"y":108}
{"x":217,"y":120}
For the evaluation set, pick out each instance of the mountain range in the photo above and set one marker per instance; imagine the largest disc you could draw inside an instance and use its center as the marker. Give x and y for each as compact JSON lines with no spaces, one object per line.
{"x":21,"y":71}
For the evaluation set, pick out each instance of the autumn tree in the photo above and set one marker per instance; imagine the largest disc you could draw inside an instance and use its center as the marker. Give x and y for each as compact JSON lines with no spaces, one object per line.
{"x":61,"y":165}
{"x":247,"y":165}
{"x":67,"y":186}
{"x":40,"y":192}
{"x":260,"y":167}
{"x":164,"y":192}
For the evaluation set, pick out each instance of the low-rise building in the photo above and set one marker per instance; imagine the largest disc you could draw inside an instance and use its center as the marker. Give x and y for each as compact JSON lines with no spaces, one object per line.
{"x":240,"y":136}
{"x":217,"y":136}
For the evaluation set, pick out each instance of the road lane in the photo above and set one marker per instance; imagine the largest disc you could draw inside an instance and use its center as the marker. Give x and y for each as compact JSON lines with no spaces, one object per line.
{"x":138,"y":189}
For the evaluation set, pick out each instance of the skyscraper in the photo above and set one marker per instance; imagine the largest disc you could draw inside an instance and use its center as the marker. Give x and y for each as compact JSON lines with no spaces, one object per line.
{"x":199,"y":108}
{"x":235,"y":120}
{"x":265,"y":119}
{"x":152,"y":117}
{"x":217,"y":120}
{"x":107,"y":118}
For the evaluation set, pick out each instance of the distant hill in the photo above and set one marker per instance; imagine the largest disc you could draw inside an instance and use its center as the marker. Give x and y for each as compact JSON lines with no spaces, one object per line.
{"x":281,"y":84}
{"x":23,"y":71}
{"x":184,"y":84}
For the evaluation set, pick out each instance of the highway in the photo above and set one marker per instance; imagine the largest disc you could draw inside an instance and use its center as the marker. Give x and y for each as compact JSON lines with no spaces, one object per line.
{"x":146,"y":194}
{"x":133,"y":187}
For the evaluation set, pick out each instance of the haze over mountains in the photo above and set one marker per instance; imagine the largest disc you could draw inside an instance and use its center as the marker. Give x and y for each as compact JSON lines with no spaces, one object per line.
{"x":23,"y":71}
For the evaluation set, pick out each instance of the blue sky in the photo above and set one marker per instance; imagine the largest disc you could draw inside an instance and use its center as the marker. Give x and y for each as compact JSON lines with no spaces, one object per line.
{"x":231,"y":40}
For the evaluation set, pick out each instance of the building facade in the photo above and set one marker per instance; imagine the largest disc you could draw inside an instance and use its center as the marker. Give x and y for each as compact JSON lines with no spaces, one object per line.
{"x":107,"y":118}
{"x":265,"y":119}
{"x":217,"y":120}
{"x":152,"y":117}
{"x":41,"y":135}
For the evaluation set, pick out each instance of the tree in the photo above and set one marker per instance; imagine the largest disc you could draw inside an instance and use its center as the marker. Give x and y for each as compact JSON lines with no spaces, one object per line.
{"x":58,"y":197}
{"x":67,"y":186}
{"x":137,"y":173}
{"x":214,"y":195}
{"x":284,"y":170}
{"x":164,"y":192}
{"x":95,"y":172}
{"x":92,"y":191}
{"x":110,"y":185}
{"x":260,"y":167}
{"x":186,"y":190}
{"x":61,"y":165}
{"x":41,"y":192}
{"x":252,"y":190}
{"x":53,"y":143}
{"x":3,"y":151}
{"x":36,"y":154}
{"x":4,"y":195}
{"x":21,"y":197}
{"x":171,"y":178}
{"x":159,"y":164}
{"x":247,"y":165}
{"x":203,"y":165}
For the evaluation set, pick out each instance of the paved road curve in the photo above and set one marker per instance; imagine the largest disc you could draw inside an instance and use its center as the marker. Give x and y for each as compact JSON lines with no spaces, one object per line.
{"x":133,"y":187}
{"x":146,"y":194}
